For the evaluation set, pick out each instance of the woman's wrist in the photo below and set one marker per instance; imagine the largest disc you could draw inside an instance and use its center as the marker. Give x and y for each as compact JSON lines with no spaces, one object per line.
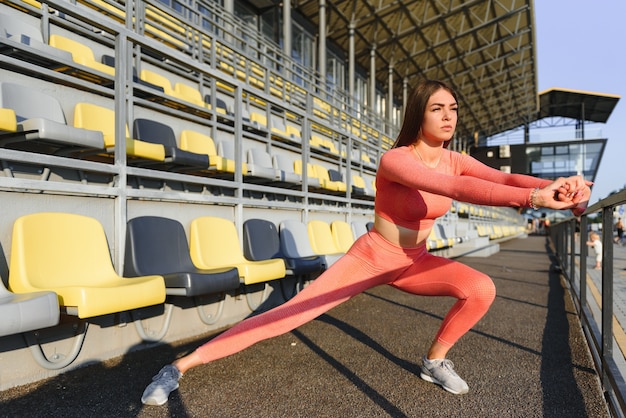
{"x":532,"y":198}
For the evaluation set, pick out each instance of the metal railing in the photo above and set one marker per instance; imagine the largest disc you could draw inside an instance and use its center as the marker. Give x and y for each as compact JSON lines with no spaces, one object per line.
{"x":568,"y":238}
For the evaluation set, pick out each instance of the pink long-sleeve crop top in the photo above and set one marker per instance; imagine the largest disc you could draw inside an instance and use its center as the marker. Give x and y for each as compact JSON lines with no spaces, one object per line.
{"x":412,"y":195}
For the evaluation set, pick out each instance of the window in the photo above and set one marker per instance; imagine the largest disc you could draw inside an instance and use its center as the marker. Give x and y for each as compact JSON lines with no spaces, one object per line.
{"x":335,"y":73}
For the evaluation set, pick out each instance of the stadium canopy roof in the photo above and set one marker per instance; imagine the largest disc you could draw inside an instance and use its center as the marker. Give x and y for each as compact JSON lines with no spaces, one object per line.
{"x":485,"y":49}
{"x":574,"y":104}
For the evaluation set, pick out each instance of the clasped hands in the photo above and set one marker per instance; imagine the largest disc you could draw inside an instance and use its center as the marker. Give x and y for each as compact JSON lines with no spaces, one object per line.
{"x":566,"y":193}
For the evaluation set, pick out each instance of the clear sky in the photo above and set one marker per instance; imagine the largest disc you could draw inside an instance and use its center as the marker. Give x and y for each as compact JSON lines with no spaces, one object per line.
{"x":581,"y":45}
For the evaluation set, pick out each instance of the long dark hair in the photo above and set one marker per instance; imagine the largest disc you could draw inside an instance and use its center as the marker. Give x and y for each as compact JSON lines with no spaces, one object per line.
{"x":415,"y":109}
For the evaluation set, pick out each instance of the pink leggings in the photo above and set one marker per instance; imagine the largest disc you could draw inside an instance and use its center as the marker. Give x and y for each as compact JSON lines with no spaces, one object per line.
{"x":370,"y":262}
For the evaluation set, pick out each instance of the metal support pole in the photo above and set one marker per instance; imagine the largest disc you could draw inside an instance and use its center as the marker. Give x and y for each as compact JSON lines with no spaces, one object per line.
{"x":287,"y":27}
{"x":123,"y":113}
{"x":322,"y":41}
{"x":405,"y":94}
{"x":351,"y":64}
{"x":572,"y":249}
{"x":372,"y":103}
{"x":390,"y":95}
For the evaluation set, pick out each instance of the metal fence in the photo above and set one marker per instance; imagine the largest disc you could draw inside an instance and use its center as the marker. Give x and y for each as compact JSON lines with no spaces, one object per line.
{"x":598,"y":318}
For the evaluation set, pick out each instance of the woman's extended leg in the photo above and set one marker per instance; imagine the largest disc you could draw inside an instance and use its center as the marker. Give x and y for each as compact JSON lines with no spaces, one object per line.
{"x":362,"y":268}
{"x":369,"y":262}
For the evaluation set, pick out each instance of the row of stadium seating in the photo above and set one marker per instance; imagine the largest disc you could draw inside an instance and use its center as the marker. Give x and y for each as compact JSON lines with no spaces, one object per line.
{"x":68,"y":255}
{"x":499,"y":231}
{"x":153,"y":144}
{"x":25,"y":41}
{"x":175,"y":31}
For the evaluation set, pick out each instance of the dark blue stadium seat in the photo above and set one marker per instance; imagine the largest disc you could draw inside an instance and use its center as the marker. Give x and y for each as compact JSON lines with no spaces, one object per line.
{"x":159,"y":133}
{"x":157,"y":245}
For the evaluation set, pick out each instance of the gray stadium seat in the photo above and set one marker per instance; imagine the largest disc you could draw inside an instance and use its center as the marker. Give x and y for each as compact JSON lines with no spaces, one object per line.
{"x":287,"y":174}
{"x":294,"y":240}
{"x":260,"y":168}
{"x":358,"y":228}
{"x":21,"y":312}
{"x":261,"y":241}
{"x":41,"y":119}
{"x":22,"y":40}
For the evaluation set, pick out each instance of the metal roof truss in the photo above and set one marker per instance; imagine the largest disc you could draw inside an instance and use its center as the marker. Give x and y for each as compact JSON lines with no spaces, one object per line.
{"x":483,"y":48}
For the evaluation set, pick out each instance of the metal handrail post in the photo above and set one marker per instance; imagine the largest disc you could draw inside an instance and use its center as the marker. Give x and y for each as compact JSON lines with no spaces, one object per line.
{"x":582,"y":265}
{"x":572,"y":250}
{"x":607,"y":290}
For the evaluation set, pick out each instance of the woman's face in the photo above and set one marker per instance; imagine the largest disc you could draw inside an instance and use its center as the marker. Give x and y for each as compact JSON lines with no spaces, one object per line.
{"x":439,"y":118}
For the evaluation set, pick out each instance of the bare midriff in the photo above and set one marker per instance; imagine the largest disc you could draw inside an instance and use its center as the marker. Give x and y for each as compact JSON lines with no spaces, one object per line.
{"x":399,"y":235}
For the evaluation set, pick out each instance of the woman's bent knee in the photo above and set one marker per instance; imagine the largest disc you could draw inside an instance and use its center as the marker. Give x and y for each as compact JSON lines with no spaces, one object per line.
{"x":484,"y":289}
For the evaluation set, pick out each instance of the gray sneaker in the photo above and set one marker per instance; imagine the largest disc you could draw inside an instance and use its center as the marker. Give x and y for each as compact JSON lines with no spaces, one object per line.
{"x":442,"y":373}
{"x":164,"y":383}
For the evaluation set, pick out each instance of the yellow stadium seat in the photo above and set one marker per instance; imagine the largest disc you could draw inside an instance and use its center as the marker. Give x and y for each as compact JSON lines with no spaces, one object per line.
{"x":166,"y":28}
{"x":158,"y":80}
{"x":203,"y":144}
{"x":189,"y":94}
{"x":214,"y":243}
{"x":105,"y":8}
{"x":482,"y":231}
{"x":322,"y":174}
{"x":321,"y":108}
{"x":258,"y":120}
{"x":177,"y":96}
{"x":294,"y":132}
{"x":316,"y":141}
{"x":342,"y":235}
{"x":8,"y":121}
{"x":442,"y":234}
{"x":81,"y":54}
{"x":360,"y":188}
{"x":433,"y":242}
{"x":69,"y":254}
{"x":98,"y":118}
{"x":314,"y":182}
{"x":322,"y":242}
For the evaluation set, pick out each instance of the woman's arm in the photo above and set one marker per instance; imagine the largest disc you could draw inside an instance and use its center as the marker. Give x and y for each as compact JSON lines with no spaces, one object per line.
{"x":400,"y":167}
{"x":574,"y":189}
{"x":470,"y":166}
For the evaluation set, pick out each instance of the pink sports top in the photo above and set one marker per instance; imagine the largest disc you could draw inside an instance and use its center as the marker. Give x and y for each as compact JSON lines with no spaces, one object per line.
{"x":412,"y":195}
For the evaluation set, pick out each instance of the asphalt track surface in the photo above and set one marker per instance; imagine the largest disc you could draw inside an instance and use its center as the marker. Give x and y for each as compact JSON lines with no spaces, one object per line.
{"x":526,"y":358}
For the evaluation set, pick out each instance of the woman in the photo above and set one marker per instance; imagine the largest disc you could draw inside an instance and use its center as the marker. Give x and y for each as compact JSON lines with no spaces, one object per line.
{"x":416,"y":182}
